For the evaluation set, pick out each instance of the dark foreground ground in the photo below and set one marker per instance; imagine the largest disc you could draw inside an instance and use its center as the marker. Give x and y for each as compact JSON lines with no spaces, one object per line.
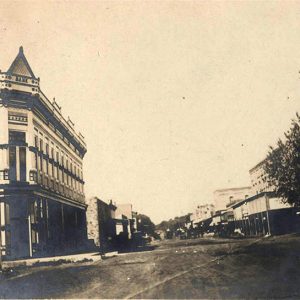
{"x":202,"y":268}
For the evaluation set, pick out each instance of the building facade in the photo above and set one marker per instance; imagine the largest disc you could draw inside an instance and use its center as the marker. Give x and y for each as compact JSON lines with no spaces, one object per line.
{"x":202,"y":212}
{"x":224,"y":198}
{"x":110,"y":226}
{"x":264,"y":213}
{"x":101,"y":223}
{"x":259,"y":179}
{"x":126,"y":223}
{"x":42,"y":202}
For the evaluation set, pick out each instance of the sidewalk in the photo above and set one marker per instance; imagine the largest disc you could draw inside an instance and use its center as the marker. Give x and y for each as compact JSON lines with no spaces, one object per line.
{"x":83,"y":257}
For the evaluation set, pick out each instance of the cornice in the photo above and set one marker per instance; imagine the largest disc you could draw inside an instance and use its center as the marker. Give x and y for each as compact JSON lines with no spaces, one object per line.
{"x":34,"y":103}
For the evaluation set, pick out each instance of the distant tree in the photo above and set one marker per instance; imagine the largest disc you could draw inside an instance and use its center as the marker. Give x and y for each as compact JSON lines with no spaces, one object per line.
{"x":283,"y":165}
{"x":164,"y":225}
{"x":145,"y":225}
{"x":174,"y":224}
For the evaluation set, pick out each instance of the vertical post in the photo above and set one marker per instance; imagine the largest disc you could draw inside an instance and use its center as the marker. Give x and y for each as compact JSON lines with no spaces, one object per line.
{"x":62,"y":227}
{"x":0,"y":240}
{"x":249,"y":225}
{"x":262,"y":222}
{"x":255,"y":224}
{"x":267,"y":206}
{"x":29,"y":229}
{"x":243,"y":225}
{"x":17,"y":163}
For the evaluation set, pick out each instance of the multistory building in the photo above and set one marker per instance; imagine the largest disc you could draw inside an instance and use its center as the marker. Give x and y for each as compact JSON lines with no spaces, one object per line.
{"x":259,"y":179}
{"x":42,"y":202}
{"x":224,"y":198}
{"x":203,"y":212}
{"x":264,"y":212}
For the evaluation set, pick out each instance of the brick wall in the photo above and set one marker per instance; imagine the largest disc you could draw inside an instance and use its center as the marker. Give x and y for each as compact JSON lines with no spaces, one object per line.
{"x":92,"y":221}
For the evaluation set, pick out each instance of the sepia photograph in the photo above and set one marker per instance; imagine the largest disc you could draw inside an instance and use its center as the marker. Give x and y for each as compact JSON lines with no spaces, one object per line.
{"x":149,"y":149}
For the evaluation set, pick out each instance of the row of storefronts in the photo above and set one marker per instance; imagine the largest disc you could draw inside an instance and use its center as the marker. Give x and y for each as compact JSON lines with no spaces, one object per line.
{"x":249,"y":211}
{"x":238,"y":220}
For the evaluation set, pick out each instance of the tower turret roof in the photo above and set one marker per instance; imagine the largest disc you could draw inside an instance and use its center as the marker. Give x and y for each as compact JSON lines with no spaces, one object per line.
{"x":20,"y":65}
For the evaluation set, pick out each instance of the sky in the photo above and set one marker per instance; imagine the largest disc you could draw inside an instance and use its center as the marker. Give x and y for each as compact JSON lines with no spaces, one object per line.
{"x":175,"y":98}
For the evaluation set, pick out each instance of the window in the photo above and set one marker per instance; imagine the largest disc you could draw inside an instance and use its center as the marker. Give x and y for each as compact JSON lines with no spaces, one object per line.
{"x":47,"y":149}
{"x":41,"y":145}
{"x":12,"y":163}
{"x":36,"y":161}
{"x":22,"y":156}
{"x":17,"y":137}
{"x":3,"y":175}
{"x":44,"y":164}
{"x":36,"y":141}
{"x":54,"y":171}
{"x":47,"y":166}
{"x":32,"y":176}
{"x":41,"y":163}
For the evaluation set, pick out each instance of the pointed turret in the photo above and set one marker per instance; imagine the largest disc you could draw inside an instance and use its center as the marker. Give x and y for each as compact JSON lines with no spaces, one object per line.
{"x":20,"y":66}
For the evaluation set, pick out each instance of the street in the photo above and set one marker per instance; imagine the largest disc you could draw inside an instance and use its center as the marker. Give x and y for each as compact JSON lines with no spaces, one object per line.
{"x":200,"y":268}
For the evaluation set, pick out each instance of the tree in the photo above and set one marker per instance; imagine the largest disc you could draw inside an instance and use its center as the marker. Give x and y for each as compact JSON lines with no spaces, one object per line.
{"x":145,"y":225}
{"x":174,"y":224}
{"x":283,"y":165}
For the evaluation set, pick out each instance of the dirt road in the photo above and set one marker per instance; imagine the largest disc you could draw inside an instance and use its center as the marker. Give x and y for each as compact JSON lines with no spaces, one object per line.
{"x":203,"y":268}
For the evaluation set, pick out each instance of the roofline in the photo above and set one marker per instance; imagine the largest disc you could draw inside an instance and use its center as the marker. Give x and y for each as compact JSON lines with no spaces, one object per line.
{"x":62,"y":119}
{"x":257,"y":165}
{"x":236,"y":188}
{"x":207,"y":204}
{"x":252,"y":198}
{"x":114,"y":207}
